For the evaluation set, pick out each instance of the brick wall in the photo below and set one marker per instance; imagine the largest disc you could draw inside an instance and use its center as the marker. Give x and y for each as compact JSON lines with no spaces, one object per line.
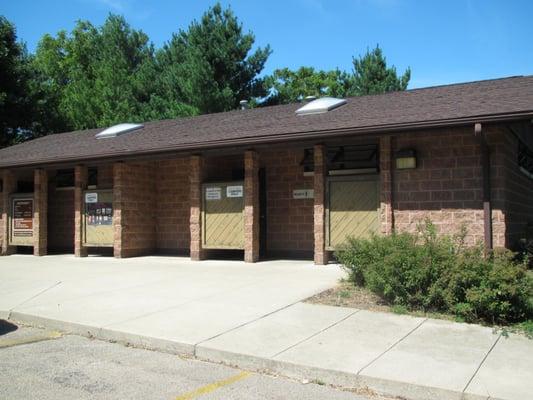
{"x":9,"y":185}
{"x":105,"y":177}
{"x":289,"y":221}
{"x":517,"y":192}
{"x":1,"y":215}
{"x":134,"y":200}
{"x":172,"y":230}
{"x":446,"y":186}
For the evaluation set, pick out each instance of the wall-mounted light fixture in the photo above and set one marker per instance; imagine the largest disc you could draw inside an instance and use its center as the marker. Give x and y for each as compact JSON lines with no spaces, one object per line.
{"x":405,"y":159}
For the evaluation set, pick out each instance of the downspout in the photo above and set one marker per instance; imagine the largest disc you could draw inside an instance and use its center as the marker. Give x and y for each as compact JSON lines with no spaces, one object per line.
{"x":392,"y":170}
{"x":485,"y":170}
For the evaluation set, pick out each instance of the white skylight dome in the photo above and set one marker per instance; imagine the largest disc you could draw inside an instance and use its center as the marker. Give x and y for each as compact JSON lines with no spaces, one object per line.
{"x":321,"y":105}
{"x":117,"y":130}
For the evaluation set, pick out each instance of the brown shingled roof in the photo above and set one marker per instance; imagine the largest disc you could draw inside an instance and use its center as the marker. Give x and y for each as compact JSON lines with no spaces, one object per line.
{"x":491,"y":100}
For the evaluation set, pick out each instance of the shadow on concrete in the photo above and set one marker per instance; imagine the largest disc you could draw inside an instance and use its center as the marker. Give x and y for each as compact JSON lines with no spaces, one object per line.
{"x":7,"y":327}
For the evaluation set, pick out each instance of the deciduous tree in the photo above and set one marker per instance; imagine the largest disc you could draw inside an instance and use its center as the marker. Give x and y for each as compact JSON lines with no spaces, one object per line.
{"x":15,"y":104}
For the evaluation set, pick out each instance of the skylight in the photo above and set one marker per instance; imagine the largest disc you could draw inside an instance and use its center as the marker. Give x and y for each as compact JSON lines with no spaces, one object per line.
{"x":118,"y":130}
{"x":321,"y":105}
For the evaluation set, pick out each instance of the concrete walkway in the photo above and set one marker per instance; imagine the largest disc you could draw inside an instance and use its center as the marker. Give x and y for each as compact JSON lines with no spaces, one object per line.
{"x":252,"y":316}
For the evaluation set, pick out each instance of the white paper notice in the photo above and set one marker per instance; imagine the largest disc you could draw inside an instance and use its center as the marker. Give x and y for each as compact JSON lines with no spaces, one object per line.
{"x":234,"y":191}
{"x":91,"y":197}
{"x":213,"y":193}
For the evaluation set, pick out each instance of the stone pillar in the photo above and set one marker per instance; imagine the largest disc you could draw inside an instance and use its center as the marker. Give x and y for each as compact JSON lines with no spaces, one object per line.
{"x":251,"y":206}
{"x":386,"y":190}
{"x":40,"y":212}
{"x":119,"y":170}
{"x":319,"y":176}
{"x":80,"y":184}
{"x":196,"y":179}
{"x":9,"y":186}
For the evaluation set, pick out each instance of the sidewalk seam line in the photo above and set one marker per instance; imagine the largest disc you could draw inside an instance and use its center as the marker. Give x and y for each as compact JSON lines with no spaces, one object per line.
{"x":482,"y":362}
{"x":195,"y":346}
{"x":315,"y":334}
{"x":36,"y":295}
{"x":391,"y":346}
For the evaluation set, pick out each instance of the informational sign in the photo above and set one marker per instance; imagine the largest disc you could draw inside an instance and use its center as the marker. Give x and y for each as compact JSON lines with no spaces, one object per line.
{"x":303,"y":194}
{"x":234,"y":191}
{"x":22,"y":217}
{"x":213,"y":193}
{"x":99,"y":213}
{"x":91,"y":197}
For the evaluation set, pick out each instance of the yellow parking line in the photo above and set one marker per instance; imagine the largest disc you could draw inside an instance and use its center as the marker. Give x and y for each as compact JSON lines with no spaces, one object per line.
{"x":32,"y":339}
{"x":213,"y":386}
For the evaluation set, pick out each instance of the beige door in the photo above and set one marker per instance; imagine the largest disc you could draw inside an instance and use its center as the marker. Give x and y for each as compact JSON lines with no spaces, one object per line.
{"x":223,"y":215}
{"x":352,"y":209}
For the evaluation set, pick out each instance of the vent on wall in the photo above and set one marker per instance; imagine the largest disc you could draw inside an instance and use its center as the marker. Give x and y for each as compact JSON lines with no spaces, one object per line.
{"x":320,"y":106}
{"x":118,"y":130}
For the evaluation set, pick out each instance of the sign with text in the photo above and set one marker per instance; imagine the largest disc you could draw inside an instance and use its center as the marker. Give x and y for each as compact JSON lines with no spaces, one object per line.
{"x":22,"y":217}
{"x":303,"y":194}
{"x":213,"y":193}
{"x":91,"y":198}
{"x":234,"y":191}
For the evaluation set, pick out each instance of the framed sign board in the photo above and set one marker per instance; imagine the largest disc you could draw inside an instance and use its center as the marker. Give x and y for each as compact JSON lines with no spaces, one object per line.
{"x":98,"y":218}
{"x":21,"y":220}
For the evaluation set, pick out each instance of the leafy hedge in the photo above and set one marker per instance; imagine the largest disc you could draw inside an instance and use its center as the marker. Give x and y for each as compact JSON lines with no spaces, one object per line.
{"x":427,"y":272}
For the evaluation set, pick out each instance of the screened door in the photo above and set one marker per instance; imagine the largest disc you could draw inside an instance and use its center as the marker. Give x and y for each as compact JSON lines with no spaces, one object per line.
{"x":352,"y":209}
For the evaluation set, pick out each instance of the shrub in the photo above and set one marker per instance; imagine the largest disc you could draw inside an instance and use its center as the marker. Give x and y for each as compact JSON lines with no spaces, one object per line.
{"x":427,"y":272}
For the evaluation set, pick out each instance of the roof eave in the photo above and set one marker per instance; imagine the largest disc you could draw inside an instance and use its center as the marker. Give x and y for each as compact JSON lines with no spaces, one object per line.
{"x":269,"y":139}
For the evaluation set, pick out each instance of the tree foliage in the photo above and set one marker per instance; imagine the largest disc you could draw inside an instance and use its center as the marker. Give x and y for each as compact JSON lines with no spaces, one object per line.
{"x":97,"y":76}
{"x":15,"y":104}
{"x":287,"y":86}
{"x":101,"y":76}
{"x":370,"y":75}
{"x":210,"y":64}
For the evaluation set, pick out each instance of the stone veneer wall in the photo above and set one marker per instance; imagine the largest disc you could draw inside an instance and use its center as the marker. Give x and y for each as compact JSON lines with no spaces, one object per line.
{"x":289,"y":220}
{"x":446,"y":186}
{"x":134,"y":198}
{"x":172,"y":203}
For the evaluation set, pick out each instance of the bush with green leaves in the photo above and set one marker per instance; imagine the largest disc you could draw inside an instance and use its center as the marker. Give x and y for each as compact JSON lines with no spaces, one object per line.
{"x":428,"y":272}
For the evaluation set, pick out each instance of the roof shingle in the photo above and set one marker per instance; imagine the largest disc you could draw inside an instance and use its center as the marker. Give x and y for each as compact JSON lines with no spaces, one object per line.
{"x":426,"y":106}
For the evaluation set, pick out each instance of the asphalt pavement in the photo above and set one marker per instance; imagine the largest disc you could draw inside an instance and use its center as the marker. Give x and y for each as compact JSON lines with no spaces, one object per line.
{"x":44,"y":364}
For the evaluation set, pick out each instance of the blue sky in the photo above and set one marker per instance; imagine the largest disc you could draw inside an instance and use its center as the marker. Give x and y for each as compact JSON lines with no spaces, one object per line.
{"x":442,"y":41}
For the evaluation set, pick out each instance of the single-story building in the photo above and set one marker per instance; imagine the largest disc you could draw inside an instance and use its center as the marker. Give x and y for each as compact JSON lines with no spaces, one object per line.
{"x":283,"y":181}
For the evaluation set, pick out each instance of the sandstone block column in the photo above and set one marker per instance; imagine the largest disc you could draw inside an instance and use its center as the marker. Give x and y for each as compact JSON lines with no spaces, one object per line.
{"x":385,"y":167}
{"x":9,"y":186}
{"x":134,"y":203}
{"x":80,"y":184}
{"x":40,"y":212}
{"x":119,"y":171}
{"x":195,"y":223}
{"x":251,"y":206}
{"x":319,"y":176}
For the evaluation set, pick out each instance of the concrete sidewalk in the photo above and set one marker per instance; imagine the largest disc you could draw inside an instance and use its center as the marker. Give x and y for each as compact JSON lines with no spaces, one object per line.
{"x":252,"y":316}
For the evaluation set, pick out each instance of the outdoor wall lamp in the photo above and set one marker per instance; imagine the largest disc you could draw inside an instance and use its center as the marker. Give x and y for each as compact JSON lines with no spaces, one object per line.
{"x":406,"y":159}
